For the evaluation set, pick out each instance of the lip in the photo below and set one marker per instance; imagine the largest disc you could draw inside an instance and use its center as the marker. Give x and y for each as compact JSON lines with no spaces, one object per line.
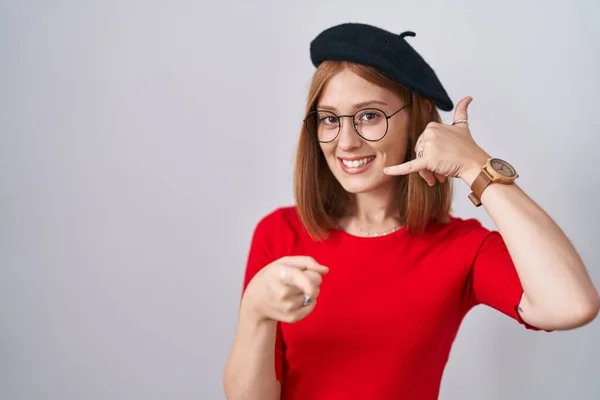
{"x":356,"y":157}
{"x":357,"y":170}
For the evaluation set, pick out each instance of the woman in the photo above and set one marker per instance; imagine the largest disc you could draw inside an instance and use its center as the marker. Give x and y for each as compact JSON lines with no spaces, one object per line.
{"x":358,"y":291}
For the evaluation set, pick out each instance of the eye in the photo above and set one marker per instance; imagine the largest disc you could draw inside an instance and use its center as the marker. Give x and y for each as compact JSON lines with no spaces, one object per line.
{"x":370,"y":116}
{"x":327,"y":119}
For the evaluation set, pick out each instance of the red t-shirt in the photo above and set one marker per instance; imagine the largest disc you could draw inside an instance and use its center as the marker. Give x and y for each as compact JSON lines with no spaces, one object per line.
{"x":389,"y":308}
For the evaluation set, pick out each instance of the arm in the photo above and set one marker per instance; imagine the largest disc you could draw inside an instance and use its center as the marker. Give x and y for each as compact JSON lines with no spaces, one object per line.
{"x":274,"y":290}
{"x":277,"y":293}
{"x":558,"y":292}
{"x":250,"y":373}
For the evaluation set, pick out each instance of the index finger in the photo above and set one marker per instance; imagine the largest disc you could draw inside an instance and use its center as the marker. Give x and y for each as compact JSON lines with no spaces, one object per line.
{"x":305,"y":262}
{"x":407,"y":167}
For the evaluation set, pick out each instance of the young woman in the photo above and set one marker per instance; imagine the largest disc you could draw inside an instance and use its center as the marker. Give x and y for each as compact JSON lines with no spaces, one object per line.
{"x":358,"y":291}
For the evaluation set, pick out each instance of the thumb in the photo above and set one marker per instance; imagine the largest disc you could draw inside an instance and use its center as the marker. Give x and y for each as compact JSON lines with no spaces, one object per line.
{"x":313,"y":276}
{"x":460,"y":113}
{"x":292,"y":276}
{"x":304,"y":282}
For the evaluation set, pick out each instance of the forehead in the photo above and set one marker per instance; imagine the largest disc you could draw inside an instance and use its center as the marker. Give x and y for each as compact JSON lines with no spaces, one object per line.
{"x":346,"y":88}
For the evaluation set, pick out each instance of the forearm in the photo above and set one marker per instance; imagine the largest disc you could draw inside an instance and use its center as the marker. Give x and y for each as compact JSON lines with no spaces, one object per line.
{"x":558,"y":290}
{"x":250,"y":372}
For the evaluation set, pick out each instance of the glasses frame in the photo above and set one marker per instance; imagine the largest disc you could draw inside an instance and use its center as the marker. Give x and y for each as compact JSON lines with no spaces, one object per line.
{"x":353,"y":116}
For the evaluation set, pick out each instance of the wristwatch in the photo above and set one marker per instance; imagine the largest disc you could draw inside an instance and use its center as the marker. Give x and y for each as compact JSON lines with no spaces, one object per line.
{"x":495,"y":170}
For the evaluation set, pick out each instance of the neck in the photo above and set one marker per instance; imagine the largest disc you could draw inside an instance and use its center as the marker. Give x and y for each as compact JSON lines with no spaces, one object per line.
{"x":376,"y":210}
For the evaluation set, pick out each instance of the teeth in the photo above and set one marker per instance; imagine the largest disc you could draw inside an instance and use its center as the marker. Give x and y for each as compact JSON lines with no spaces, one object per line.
{"x":357,"y":163}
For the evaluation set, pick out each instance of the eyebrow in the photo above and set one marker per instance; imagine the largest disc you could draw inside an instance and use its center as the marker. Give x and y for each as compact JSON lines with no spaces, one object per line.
{"x":354,"y":106}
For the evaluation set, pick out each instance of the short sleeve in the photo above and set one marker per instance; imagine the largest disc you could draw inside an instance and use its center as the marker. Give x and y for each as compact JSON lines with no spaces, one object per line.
{"x":260,"y":255}
{"x":493,"y":278}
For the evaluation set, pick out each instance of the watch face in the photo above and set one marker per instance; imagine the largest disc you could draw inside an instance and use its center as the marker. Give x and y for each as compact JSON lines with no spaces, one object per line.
{"x":503,"y":168}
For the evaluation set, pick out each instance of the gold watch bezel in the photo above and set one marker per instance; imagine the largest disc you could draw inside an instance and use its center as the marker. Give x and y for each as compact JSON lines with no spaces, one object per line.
{"x":496,"y":176}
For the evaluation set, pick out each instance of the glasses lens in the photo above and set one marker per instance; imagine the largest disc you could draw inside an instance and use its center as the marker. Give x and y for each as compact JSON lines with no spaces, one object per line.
{"x":371,"y":124}
{"x":323,"y":125}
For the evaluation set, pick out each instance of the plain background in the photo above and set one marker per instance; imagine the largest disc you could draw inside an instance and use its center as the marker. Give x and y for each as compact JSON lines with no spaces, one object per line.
{"x":140,"y":143}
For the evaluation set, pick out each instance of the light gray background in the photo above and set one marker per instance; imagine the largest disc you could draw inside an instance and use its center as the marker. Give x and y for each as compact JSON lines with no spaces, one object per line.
{"x":140,"y":142}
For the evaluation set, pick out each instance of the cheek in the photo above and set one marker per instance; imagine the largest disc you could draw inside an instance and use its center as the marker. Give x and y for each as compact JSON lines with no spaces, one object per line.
{"x":394,"y":151}
{"x":327,"y":149}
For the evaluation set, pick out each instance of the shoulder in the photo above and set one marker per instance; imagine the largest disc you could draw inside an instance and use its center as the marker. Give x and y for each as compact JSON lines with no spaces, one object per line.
{"x":282,"y":219}
{"x":274,"y":234}
{"x":471,"y":237}
{"x":460,"y":233}
{"x":465,"y":227}
{"x":281,"y":228}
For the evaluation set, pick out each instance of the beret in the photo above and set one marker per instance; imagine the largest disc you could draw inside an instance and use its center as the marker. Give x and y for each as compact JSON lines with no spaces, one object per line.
{"x":385,"y":51}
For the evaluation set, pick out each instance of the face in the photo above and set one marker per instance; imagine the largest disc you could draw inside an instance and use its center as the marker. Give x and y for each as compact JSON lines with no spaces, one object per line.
{"x":355,"y":162}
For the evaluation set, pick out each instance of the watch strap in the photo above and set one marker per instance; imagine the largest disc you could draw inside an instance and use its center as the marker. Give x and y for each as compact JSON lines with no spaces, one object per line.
{"x":481,"y":182}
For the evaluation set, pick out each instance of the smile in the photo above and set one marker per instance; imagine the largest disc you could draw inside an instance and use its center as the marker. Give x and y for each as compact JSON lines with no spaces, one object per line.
{"x":356,"y":165}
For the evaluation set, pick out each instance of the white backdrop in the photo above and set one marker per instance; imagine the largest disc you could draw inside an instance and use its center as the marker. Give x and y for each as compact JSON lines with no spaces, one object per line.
{"x":140,"y":142}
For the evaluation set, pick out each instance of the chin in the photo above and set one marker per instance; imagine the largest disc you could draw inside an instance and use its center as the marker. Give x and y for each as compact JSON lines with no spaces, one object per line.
{"x":363,"y":187}
{"x":362,"y":183}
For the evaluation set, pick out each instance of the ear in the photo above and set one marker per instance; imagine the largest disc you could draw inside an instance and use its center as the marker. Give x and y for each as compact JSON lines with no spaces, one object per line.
{"x":428,"y":106}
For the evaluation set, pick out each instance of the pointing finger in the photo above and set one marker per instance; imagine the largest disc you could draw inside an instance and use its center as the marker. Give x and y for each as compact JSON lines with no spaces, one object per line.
{"x":305,"y":262}
{"x":406,"y":168}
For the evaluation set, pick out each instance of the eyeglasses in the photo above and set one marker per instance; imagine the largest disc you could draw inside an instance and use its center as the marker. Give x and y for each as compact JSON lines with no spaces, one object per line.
{"x":371,"y":124}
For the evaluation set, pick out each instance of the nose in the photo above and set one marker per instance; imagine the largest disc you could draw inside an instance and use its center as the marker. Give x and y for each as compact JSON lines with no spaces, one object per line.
{"x":348,"y":138}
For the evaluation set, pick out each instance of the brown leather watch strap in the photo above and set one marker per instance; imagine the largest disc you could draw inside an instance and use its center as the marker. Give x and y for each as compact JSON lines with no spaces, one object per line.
{"x":478,"y":186}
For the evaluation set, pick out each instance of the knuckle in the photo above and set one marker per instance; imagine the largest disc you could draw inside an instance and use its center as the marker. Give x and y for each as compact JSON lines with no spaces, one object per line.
{"x":432,"y":125}
{"x":316,"y":293}
{"x":316,"y":287}
{"x":318,"y":279}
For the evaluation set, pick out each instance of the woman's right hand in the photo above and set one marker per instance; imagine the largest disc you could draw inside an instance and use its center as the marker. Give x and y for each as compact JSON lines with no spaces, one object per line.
{"x":278,"y":291}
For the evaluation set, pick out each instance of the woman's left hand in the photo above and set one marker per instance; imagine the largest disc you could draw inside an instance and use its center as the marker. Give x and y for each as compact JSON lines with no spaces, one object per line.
{"x":444,"y":150}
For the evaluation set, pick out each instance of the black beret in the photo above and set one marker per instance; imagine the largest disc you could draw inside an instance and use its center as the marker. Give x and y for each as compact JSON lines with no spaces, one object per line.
{"x":385,"y":51}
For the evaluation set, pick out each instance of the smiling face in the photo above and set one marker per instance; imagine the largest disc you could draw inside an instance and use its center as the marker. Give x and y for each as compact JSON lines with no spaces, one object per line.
{"x":355,"y":162}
